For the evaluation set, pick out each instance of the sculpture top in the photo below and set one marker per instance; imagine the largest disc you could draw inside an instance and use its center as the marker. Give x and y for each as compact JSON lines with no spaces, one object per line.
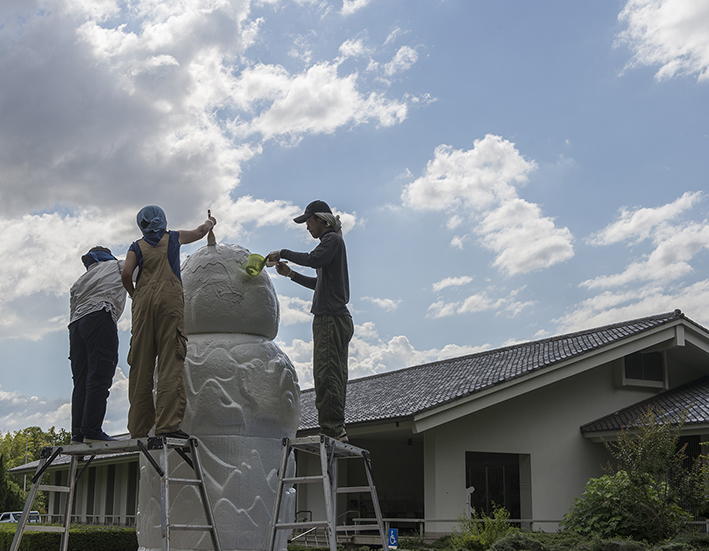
{"x":221,"y":298}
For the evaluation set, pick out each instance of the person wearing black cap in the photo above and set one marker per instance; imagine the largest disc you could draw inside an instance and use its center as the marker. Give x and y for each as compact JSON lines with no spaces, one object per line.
{"x":96,"y":302}
{"x":332,"y":323}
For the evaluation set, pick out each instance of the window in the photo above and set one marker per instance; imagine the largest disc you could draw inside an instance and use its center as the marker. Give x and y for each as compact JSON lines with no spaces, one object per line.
{"x":645,"y":369}
{"x":5,"y":517}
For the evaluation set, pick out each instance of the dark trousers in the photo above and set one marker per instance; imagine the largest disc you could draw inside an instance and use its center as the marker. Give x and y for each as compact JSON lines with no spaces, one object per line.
{"x":331,"y":339}
{"x":93,"y":351}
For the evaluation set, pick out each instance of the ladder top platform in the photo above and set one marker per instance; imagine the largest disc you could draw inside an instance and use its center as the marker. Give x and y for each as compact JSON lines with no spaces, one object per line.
{"x":311,"y":444}
{"x":118,"y":446}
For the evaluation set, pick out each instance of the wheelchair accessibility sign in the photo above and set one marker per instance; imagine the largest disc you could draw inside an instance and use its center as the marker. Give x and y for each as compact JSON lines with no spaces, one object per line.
{"x":393,"y":538}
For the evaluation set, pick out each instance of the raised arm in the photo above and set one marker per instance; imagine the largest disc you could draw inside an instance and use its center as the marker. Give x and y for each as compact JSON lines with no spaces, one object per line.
{"x":190,"y":236}
{"x":285,"y":270}
{"x":129,"y":266}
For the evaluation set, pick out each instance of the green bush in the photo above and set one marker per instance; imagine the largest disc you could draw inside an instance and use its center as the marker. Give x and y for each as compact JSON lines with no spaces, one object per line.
{"x":674,"y":546}
{"x":81,"y":538}
{"x":619,"y":505}
{"x":517,"y":541}
{"x":618,"y":545}
{"x":480,"y":531}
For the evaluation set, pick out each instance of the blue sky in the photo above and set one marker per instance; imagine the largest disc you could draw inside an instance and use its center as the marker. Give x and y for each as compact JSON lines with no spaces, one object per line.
{"x":505,"y":170}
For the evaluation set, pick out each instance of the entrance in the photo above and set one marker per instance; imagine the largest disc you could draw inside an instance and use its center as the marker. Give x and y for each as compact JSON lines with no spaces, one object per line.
{"x":496,"y":482}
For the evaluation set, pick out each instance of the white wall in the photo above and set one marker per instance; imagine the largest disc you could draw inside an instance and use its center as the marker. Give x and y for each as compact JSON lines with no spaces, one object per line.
{"x":545,"y":424}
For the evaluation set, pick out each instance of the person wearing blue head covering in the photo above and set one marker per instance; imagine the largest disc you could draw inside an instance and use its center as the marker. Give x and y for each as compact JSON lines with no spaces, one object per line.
{"x":157,"y":324}
{"x":96,"y":302}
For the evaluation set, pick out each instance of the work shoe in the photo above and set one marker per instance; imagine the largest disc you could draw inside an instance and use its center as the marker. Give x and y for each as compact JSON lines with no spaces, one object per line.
{"x":98,"y":438}
{"x":77,"y":439}
{"x":174,"y":434}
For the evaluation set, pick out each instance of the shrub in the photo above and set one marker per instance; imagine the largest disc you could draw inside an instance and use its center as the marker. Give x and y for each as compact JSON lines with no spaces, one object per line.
{"x":674,"y":546}
{"x":480,"y":531}
{"x":616,"y":505}
{"x":618,"y":545}
{"x":517,"y":541}
{"x":81,"y":538}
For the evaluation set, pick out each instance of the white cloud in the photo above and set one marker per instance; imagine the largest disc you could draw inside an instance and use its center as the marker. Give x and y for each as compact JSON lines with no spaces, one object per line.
{"x":458,"y":241}
{"x":479,"y":302}
{"x":611,"y":307}
{"x":294,"y":310}
{"x":402,"y":61}
{"x":638,"y":224}
{"x":351,"y":6}
{"x":670,"y":260}
{"x":388,"y":304}
{"x":480,"y":183}
{"x":353,"y":48}
{"x":395,"y":33}
{"x":369,"y":353}
{"x":671,"y":34}
{"x":18,"y":410}
{"x":319,"y":101}
{"x":451,"y":282}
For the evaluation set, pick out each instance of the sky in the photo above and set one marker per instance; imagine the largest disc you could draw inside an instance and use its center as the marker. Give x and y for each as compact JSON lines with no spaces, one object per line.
{"x":505,"y":171}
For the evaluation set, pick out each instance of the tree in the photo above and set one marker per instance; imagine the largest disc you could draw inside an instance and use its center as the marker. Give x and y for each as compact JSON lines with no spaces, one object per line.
{"x":11,"y":498}
{"x":650,"y":492}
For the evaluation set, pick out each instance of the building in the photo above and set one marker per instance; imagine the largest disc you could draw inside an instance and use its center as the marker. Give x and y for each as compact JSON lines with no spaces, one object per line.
{"x":521,"y":426}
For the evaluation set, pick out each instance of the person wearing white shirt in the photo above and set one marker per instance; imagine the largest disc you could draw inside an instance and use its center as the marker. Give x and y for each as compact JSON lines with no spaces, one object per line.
{"x":97,"y":300}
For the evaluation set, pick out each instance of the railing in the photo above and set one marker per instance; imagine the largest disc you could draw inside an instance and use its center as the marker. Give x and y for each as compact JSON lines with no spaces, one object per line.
{"x":93,"y":520}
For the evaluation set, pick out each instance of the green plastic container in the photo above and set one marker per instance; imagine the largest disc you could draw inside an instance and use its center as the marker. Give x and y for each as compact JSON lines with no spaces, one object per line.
{"x":254,"y":264}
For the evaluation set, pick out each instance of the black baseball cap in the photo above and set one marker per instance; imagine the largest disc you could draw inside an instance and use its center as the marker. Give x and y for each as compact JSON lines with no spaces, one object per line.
{"x":312,"y":208}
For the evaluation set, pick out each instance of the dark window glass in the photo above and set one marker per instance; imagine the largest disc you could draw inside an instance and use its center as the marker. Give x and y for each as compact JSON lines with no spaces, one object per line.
{"x":110,"y":483}
{"x":495,"y":477}
{"x":645,"y":366}
{"x":132,"y":487}
{"x":91,"y":491}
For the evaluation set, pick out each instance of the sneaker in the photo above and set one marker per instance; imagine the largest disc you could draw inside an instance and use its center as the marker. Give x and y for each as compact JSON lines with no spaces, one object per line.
{"x":98,"y":438}
{"x":342,"y":437}
{"x":182,"y":435}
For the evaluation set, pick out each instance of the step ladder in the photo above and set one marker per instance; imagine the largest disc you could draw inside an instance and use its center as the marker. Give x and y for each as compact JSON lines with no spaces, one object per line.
{"x":330,"y":452}
{"x":185,"y":448}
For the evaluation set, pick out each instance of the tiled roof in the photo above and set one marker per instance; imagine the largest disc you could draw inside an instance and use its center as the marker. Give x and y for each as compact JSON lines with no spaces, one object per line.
{"x":405,"y":392}
{"x":688,"y":403}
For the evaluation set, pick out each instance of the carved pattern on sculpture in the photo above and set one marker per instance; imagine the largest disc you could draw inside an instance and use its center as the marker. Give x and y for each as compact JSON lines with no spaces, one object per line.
{"x":242,"y":399}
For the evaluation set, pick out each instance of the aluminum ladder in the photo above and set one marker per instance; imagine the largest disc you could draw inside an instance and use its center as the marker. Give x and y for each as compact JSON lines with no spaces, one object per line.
{"x":186,"y":448}
{"x":330,"y":451}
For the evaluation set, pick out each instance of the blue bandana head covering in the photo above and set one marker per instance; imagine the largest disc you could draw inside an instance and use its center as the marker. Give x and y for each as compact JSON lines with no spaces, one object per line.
{"x":97,"y":254}
{"x":153,"y":223}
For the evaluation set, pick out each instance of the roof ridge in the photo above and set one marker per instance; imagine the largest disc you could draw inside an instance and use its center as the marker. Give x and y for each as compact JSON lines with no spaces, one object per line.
{"x":675,"y":314}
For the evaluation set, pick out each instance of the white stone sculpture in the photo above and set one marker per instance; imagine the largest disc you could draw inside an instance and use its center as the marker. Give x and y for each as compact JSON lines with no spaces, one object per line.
{"x":242,"y":399}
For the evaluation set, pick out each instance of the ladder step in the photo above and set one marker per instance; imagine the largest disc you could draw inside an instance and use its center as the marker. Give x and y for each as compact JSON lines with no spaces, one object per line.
{"x":311,"y":524}
{"x":196,"y":527}
{"x":357,"y":528}
{"x":353,"y":489}
{"x":50,"y":488}
{"x":304,"y":479}
{"x":53,"y":529}
{"x":188,"y":481}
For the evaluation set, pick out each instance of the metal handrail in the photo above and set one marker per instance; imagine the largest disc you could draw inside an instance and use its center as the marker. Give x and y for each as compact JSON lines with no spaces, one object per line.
{"x":314,"y":528}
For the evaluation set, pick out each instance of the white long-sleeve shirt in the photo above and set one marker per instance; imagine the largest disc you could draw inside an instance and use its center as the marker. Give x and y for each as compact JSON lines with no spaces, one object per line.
{"x":100,"y":288}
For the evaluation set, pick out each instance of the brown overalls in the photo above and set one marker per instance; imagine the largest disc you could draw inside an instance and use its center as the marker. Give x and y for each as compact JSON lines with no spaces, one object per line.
{"x":158,"y":330}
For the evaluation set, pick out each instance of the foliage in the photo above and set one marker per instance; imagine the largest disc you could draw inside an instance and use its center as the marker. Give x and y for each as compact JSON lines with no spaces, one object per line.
{"x":480,"y":531}
{"x":517,"y":541}
{"x":23,"y":446}
{"x":650,"y":493}
{"x":11,"y":497}
{"x":81,"y":538}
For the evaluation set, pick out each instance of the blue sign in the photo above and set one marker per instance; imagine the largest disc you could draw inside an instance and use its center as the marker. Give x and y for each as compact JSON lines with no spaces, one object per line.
{"x":393,"y":538}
